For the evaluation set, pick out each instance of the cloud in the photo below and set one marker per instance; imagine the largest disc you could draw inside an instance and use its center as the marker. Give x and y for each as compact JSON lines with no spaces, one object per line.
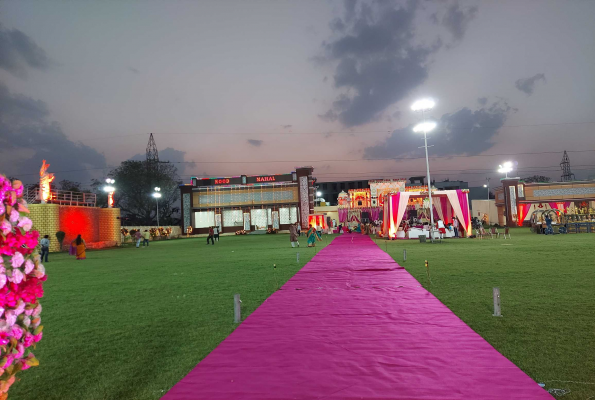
{"x":329,"y":116}
{"x":457,"y":19}
{"x":133,"y":70}
{"x":482,"y":100}
{"x":286,"y":126}
{"x":527,"y":85}
{"x":255,"y":143}
{"x":465,"y":131}
{"x":377,"y":60}
{"x":25,"y":130}
{"x":18,"y":51}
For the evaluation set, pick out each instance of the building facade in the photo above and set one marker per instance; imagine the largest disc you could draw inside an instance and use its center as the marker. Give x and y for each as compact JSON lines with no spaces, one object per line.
{"x":516,"y":200}
{"x":248,"y":203}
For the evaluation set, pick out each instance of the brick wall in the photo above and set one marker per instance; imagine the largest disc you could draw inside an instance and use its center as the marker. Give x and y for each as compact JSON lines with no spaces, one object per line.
{"x":92,"y":223}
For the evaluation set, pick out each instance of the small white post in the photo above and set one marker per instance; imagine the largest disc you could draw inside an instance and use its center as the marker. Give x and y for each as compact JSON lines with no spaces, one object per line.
{"x":496,"y":292}
{"x":404,"y":254}
{"x":237,"y":312}
{"x":298,"y":257}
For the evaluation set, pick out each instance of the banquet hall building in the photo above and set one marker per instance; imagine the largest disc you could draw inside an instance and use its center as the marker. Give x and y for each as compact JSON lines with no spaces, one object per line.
{"x":250,"y":203}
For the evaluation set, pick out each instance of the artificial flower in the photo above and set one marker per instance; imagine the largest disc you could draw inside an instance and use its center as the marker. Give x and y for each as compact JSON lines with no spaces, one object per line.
{"x":29,"y":265}
{"x":14,"y":216}
{"x":17,"y":260}
{"x":17,"y":276}
{"x":25,"y":223}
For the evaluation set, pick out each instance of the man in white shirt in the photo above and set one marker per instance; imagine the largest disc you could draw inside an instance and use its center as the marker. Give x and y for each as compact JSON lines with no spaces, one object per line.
{"x":455,"y":225}
{"x":441,"y":228}
{"x":45,"y":247}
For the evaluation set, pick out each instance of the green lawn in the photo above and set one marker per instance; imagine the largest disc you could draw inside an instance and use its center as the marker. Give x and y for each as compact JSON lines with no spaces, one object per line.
{"x":547,"y":287}
{"x":129,"y":323}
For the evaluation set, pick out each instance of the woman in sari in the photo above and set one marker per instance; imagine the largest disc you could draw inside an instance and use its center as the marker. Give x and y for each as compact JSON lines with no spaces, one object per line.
{"x":81,"y":247}
{"x":312,"y":236}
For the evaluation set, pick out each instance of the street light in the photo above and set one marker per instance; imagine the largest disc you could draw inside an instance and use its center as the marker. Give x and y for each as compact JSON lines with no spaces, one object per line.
{"x":157,"y":195}
{"x":488,"y":187}
{"x":422,"y":106}
{"x":505,"y":168}
{"x":426,"y":127}
{"x":110,"y":189}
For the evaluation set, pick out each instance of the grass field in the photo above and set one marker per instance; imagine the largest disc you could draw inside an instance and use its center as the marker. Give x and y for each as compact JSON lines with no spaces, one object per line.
{"x":547,"y":287}
{"x":129,"y":323}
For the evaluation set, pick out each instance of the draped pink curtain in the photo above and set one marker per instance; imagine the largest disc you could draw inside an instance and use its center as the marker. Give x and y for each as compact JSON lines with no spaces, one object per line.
{"x":565,"y":205}
{"x":395,"y":211}
{"x":342,"y":214}
{"x":374,"y":213}
{"x":464,"y":203}
{"x":444,"y":207}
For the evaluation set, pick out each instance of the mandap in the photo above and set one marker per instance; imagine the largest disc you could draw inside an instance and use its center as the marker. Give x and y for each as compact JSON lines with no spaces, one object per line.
{"x":448,"y":204}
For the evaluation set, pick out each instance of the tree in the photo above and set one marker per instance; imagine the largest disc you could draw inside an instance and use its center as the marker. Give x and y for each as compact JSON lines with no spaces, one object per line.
{"x":69,"y":186}
{"x":135,"y":184}
{"x":537,"y":179}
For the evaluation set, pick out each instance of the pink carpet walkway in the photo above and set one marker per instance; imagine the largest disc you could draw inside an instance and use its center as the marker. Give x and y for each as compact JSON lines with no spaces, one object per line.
{"x":353,"y":324}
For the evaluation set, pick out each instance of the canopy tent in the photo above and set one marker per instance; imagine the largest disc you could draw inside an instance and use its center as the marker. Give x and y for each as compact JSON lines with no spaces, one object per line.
{"x":447,"y":205}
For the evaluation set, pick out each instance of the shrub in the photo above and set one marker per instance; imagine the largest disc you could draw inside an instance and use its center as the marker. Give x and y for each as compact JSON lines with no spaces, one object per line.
{"x":60,"y":236}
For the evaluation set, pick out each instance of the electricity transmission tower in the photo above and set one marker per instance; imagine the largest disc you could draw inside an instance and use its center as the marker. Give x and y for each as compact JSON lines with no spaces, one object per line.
{"x":152,"y":155}
{"x":567,"y":174}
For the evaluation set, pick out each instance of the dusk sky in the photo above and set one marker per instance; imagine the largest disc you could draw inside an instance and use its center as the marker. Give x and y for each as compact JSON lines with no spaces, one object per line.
{"x":256,"y":87}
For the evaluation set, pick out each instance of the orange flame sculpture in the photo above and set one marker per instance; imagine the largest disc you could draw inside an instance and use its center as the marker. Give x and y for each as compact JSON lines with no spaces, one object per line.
{"x":45,"y":180}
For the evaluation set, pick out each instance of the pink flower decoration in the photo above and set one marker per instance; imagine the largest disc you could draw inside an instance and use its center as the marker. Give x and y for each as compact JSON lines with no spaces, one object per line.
{"x":37,"y":338}
{"x":5,"y":227}
{"x":37,"y":310}
{"x":17,"y":332}
{"x":2,"y":280}
{"x":24,"y":366}
{"x":2,"y":209}
{"x":40,"y":271}
{"x":29,"y":265}
{"x":25,"y":223}
{"x":21,"y":351}
{"x":1,"y":312}
{"x":27,"y":321}
{"x":3,"y":342}
{"x":17,"y":276}
{"x":11,"y":318}
{"x":14,"y":215}
{"x":28,"y":341}
{"x":17,"y":260}
{"x":20,"y":307}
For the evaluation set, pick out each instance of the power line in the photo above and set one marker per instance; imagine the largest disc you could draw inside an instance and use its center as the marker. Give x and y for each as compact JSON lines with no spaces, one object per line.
{"x":377,"y":159}
{"x":362,"y":132}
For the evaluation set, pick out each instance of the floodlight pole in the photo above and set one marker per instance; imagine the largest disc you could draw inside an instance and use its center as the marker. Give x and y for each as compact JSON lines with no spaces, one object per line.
{"x":429,"y":187}
{"x":157,"y":200}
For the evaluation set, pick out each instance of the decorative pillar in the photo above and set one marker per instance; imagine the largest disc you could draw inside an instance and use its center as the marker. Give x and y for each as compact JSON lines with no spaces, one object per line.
{"x":511,"y":200}
{"x":305,"y":194}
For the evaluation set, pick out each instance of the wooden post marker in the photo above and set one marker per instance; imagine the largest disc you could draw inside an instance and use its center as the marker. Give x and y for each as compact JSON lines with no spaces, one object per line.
{"x":496,"y":293}
{"x":237,"y":311}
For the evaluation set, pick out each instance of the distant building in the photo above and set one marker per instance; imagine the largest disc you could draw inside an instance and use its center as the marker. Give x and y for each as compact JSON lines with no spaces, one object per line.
{"x":330,"y":190}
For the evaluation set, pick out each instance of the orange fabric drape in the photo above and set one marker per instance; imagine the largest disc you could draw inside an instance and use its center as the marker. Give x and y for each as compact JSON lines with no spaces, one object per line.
{"x":523,"y":211}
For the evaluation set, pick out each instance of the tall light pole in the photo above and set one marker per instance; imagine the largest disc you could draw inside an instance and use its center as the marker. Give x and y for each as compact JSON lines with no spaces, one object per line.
{"x":488,"y":186}
{"x":505,"y":168}
{"x":110,"y":189}
{"x":157,"y":195}
{"x":422,"y":106}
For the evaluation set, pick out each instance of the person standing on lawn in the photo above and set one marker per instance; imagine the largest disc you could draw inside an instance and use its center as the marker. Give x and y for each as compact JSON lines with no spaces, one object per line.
{"x":455,"y":226}
{"x":211,"y":236}
{"x":216,"y":233}
{"x":146,"y":237}
{"x":81,"y":247}
{"x":138,"y":236}
{"x":45,"y":247}
{"x":293,"y":235}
